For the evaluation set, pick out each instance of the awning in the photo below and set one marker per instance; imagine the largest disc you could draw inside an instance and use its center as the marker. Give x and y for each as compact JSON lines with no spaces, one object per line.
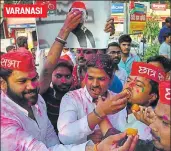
{"x":22,"y":26}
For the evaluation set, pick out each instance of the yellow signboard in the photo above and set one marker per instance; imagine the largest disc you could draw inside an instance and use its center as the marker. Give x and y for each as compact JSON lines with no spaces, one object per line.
{"x":137,"y":26}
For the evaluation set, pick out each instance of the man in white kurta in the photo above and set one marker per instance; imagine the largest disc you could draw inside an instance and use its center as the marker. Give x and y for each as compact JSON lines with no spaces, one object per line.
{"x":76,"y":109}
{"x":19,"y":132}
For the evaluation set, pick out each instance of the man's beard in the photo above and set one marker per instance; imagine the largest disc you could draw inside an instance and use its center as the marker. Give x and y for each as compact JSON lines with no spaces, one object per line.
{"x":64,"y":88}
{"x":22,"y":100}
{"x":116,"y":60}
{"x":81,"y":62}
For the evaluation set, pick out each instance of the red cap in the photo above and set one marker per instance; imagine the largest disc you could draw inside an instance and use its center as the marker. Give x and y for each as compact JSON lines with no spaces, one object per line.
{"x":18,"y":60}
{"x":78,"y":5}
{"x":148,"y":71}
{"x":66,"y":57}
{"x":164,"y":92}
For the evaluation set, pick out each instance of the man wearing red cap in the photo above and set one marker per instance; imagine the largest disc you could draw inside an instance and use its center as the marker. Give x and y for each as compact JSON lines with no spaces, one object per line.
{"x":161,"y":126}
{"x":159,"y":119}
{"x":142,"y":86}
{"x":24,"y":121}
{"x":67,"y":58}
{"x":84,"y":36}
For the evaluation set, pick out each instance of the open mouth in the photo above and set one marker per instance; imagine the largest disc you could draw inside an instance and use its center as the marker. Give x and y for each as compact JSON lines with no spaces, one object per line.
{"x":96,"y":91}
{"x":128,"y":91}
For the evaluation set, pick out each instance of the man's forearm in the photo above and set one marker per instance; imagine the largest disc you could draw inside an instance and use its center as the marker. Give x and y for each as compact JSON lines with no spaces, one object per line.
{"x":105,"y":125}
{"x":53,"y":55}
{"x":93,"y":119}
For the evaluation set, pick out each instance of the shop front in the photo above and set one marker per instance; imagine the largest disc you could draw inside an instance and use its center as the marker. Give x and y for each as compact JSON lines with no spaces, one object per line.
{"x":21,"y":27}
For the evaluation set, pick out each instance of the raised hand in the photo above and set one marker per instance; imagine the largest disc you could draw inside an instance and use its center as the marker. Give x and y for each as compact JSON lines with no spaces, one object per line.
{"x":109,"y":27}
{"x":72,"y":20}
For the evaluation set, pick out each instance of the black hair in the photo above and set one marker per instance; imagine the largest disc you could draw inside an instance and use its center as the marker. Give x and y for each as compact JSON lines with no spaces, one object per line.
{"x":154,"y":89}
{"x":5,"y":73}
{"x":125,"y":38}
{"x":166,"y":35}
{"x":168,"y":20}
{"x":21,"y":41}
{"x":64,"y":63}
{"x":115,"y":44}
{"x":11,"y":47}
{"x":163,"y":60}
{"x":101,"y":61}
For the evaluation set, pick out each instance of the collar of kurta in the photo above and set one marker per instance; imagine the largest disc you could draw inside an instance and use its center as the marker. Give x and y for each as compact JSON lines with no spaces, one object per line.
{"x":14,"y":105}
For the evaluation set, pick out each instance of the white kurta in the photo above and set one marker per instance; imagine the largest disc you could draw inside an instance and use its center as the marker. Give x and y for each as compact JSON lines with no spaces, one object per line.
{"x":72,"y":122}
{"x":19,"y":132}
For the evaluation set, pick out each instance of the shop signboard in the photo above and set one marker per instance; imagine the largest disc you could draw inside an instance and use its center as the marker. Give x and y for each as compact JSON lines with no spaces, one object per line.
{"x":157,"y":6}
{"x":117,"y":8}
{"x":137,"y":18}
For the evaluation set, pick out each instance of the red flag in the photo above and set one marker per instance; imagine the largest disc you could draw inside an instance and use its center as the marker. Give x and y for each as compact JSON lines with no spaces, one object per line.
{"x":131,"y":6}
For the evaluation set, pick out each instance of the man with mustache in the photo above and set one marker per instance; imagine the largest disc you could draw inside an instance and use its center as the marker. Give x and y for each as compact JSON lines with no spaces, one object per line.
{"x":61,"y":83}
{"x":82,"y":55}
{"x":114,"y":50}
{"x":160,"y":128}
{"x":142,"y":86}
{"x":158,"y":119}
{"x":120,"y":75}
{"x":83,"y":35}
{"x":127,"y":58}
{"x":24,"y":121}
{"x":82,"y":109}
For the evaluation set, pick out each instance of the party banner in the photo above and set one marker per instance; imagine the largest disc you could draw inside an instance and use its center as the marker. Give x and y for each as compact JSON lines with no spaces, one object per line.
{"x":88,"y":34}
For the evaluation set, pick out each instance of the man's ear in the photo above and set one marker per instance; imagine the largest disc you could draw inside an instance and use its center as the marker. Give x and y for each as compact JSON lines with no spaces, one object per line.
{"x":153,"y":97}
{"x":3,"y":85}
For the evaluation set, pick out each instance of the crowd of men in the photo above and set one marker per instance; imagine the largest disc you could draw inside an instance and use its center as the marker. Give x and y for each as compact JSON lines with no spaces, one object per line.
{"x":84,"y":106}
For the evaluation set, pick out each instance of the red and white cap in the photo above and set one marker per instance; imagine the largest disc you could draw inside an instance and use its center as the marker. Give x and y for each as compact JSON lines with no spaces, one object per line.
{"x":18,"y":60}
{"x":165,"y":92}
{"x":148,"y":71}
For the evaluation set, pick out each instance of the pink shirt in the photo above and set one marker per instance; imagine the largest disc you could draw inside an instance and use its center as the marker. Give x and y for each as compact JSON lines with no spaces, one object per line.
{"x":20,"y":132}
